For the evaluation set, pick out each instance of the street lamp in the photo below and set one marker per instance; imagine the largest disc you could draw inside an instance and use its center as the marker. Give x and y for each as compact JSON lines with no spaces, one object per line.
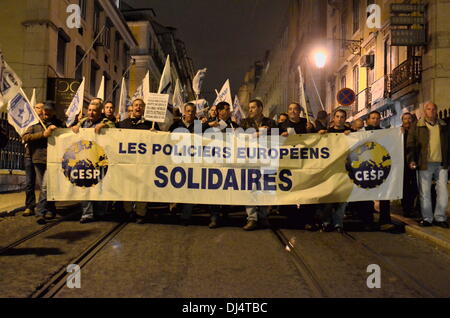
{"x":320,"y":59}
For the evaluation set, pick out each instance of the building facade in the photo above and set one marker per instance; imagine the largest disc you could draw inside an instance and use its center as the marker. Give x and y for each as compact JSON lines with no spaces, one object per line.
{"x":155,"y":42}
{"x":301,"y":37}
{"x":395,"y":66}
{"x":44,"y":50}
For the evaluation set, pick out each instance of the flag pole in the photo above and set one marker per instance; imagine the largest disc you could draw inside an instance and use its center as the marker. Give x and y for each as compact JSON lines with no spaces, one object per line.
{"x":133,"y":61}
{"x":32,"y":109}
{"x":88,"y":51}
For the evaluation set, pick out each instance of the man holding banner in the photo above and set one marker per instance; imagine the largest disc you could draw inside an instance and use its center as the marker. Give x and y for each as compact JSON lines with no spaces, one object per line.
{"x":137,"y":210}
{"x":96,"y":121}
{"x":257,"y":216}
{"x":36,"y":140}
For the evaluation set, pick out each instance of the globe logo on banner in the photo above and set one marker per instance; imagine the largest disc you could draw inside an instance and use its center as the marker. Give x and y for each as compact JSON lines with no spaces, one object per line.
{"x":85,"y":163}
{"x":369,"y":165}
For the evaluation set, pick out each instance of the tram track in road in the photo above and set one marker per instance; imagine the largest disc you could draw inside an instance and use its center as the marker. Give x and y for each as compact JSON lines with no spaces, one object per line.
{"x":33,"y":234}
{"x":306,"y":271}
{"x":52,"y":286}
{"x":397,"y":270}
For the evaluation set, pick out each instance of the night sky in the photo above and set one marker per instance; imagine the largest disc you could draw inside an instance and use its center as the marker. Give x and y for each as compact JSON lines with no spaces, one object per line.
{"x":226,"y":36}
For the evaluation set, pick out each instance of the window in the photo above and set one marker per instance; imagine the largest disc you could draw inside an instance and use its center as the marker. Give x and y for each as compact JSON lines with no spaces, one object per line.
{"x":82,"y":4}
{"x":343,"y":29}
{"x":117,"y":45}
{"x":107,"y":34}
{"x":93,"y":80}
{"x":387,"y":58}
{"x":107,"y":80}
{"x":63,"y":39}
{"x":114,"y":93}
{"x":343,"y":82}
{"x":96,"y":24}
{"x":356,"y":79}
{"x":125,"y":52}
{"x":78,"y":58}
{"x":356,"y":15}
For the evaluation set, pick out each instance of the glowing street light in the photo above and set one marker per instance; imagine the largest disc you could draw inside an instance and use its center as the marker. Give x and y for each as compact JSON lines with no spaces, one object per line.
{"x":320,"y":59}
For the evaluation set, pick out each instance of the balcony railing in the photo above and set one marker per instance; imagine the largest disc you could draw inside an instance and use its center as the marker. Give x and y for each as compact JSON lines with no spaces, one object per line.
{"x":407,"y":73}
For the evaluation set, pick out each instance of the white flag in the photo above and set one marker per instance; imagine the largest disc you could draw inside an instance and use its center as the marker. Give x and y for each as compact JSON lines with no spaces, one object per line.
{"x":165,"y":84}
{"x":33,"y":98}
{"x":10,"y":83}
{"x":139,"y":93}
{"x":302,"y":94}
{"x":165,"y":87}
{"x":178,"y":97}
{"x":21,"y":114}
{"x":123,"y":101}
{"x":146,"y":85}
{"x":76,"y":106}
{"x":202,"y":105}
{"x":198,"y":81}
{"x":101,"y":90}
{"x":237,"y":112}
{"x":225,"y":95}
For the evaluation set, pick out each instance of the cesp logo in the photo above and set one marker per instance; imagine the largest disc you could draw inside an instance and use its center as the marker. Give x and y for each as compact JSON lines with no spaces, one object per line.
{"x":85,"y":163}
{"x":369,"y":165}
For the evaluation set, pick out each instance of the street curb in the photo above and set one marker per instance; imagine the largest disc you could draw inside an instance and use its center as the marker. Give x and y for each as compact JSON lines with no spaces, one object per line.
{"x":415,"y":230}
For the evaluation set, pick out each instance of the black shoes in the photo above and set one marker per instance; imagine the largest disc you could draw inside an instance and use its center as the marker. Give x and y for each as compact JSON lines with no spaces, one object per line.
{"x":87,"y":219}
{"x":424,"y":223}
{"x":250,"y":226}
{"x":264,"y":224}
{"x":28,"y":212}
{"x":41,"y":221}
{"x":311,"y":227}
{"x":213,"y":225}
{"x":184,"y":222}
{"x":442,"y":224}
{"x":339,"y":229}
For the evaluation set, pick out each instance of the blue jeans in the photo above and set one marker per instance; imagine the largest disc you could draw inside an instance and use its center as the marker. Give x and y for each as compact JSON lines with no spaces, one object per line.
{"x":255,"y":213}
{"x":89,"y":206}
{"x":440,"y":174}
{"x":335,"y":217}
{"x":30,"y":175}
{"x":44,"y":205}
{"x":33,"y":172}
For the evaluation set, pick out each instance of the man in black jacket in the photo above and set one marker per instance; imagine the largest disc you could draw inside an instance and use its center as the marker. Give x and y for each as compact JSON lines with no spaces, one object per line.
{"x":137,"y":210}
{"x":257,"y":216}
{"x":298,"y":124}
{"x":373,"y":123}
{"x":36,"y":141}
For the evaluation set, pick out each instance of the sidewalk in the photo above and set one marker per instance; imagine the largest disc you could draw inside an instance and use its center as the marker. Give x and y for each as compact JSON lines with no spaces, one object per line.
{"x":435,"y":234}
{"x":11,"y":201}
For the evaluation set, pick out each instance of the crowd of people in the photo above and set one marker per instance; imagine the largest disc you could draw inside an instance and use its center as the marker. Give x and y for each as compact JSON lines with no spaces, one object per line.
{"x":426,"y":160}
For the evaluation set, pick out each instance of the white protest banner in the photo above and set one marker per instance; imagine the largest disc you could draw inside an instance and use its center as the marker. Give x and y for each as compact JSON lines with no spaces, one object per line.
{"x":231,"y":169}
{"x":156,"y":107}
